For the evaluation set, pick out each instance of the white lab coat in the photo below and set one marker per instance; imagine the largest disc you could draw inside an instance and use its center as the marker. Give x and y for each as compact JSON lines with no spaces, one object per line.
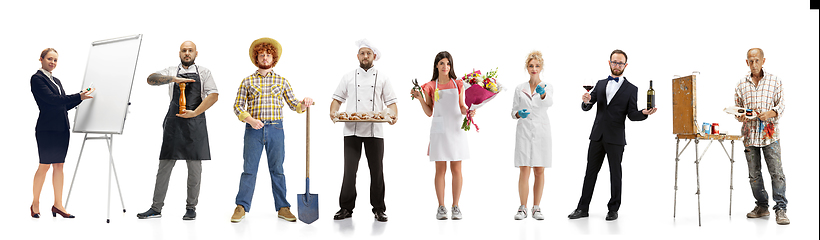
{"x":533,"y":137}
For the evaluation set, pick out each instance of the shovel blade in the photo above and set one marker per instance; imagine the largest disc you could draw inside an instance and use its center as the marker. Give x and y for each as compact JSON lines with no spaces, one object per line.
{"x":308,"y":207}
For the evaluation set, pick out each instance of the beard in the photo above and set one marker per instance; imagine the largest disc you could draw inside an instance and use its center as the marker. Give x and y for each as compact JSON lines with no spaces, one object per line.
{"x":267,"y":66}
{"x":188,"y":63}
{"x":365,"y":65}
{"x":616,"y":72}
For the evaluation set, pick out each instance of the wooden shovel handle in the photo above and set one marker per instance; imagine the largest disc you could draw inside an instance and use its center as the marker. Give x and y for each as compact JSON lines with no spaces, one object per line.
{"x":307,"y":144}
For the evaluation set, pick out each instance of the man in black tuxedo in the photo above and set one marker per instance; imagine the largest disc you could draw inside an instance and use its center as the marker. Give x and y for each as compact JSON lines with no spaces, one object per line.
{"x":616,"y":98}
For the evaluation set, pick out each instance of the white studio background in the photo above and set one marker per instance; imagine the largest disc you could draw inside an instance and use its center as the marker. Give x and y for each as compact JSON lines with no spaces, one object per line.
{"x":662,"y":39}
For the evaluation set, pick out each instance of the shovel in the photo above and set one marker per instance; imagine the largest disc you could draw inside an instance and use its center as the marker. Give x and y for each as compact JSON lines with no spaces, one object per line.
{"x":308,"y":204}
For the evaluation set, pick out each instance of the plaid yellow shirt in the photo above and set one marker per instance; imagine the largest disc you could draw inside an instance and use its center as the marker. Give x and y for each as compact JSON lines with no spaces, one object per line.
{"x":262,"y":97}
{"x":767,"y":95}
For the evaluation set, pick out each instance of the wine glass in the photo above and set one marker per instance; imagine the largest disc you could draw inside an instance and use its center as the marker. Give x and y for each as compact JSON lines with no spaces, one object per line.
{"x":588,"y":85}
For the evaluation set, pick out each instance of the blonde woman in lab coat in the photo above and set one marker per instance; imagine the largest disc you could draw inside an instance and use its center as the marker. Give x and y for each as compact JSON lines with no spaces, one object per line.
{"x":533,"y":140}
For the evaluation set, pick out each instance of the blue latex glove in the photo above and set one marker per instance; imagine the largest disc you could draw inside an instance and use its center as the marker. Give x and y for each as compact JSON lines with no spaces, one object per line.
{"x":540,"y":90}
{"x":523,"y":113}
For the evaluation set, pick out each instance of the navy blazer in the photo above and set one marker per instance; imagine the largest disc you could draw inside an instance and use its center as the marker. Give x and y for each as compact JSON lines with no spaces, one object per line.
{"x":52,"y":102}
{"x":610,"y":118}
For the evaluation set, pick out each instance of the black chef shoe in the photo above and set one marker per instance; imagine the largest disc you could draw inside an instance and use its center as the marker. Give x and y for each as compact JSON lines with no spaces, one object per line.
{"x":381,"y":217}
{"x":611,"y":215}
{"x":578,"y":213}
{"x":190,"y":214}
{"x":342,"y":214}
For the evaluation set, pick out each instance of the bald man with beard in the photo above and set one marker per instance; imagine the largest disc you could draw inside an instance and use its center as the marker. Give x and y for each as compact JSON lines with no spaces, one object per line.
{"x":185,"y":135}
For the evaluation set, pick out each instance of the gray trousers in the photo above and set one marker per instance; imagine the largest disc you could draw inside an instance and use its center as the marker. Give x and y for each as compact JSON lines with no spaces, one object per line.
{"x":771,"y":153}
{"x":163,"y":177}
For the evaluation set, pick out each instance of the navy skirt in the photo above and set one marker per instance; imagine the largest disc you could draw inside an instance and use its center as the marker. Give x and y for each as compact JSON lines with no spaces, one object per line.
{"x":52,"y":146}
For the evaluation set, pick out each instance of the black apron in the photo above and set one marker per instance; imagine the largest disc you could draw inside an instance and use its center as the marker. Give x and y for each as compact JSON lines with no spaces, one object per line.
{"x":185,"y":138}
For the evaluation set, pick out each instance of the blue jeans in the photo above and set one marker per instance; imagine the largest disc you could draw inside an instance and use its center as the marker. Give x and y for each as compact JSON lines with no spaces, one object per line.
{"x":772,"y":154}
{"x":272,"y":138}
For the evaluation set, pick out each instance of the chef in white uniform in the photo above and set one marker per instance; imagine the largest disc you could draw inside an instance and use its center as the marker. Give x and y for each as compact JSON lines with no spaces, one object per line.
{"x":533,"y":140}
{"x":365,"y":90}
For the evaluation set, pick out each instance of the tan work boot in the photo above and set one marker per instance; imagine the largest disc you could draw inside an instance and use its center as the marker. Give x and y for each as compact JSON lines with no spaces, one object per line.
{"x":758,"y":212}
{"x":284,"y":213}
{"x":780,"y":216}
{"x":238,"y":214}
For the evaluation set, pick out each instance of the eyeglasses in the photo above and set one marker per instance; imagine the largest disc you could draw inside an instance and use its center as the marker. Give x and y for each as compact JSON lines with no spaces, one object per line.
{"x":619,"y":64}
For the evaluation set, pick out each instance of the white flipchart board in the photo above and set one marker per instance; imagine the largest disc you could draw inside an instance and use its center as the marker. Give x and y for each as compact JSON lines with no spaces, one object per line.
{"x":111,"y":66}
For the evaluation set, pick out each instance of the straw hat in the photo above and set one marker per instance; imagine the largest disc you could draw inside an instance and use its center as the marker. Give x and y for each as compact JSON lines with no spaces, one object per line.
{"x":265,"y":40}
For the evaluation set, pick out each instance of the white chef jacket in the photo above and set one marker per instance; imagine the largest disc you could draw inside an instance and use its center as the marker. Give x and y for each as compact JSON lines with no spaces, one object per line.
{"x":207,"y":85}
{"x":533,"y":137}
{"x":370,"y":91}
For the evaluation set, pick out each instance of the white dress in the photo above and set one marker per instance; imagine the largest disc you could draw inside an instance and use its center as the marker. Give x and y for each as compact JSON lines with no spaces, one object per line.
{"x":533,"y":137}
{"x":448,"y":142}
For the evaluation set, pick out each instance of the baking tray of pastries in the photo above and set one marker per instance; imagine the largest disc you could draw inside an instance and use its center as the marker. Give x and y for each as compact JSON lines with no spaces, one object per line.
{"x":384,"y":116}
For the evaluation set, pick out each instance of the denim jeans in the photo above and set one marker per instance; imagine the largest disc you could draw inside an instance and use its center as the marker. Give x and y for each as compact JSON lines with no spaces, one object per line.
{"x":771,"y":153}
{"x":272,"y":138}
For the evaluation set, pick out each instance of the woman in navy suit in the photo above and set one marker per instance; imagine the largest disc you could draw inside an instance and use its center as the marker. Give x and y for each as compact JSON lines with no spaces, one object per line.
{"x":52,"y":129}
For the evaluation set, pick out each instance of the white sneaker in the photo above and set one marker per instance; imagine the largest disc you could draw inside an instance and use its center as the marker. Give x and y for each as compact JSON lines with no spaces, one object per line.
{"x":536,"y":212}
{"x":522,"y":213}
{"x":456,"y":213}
{"x":441,"y":214}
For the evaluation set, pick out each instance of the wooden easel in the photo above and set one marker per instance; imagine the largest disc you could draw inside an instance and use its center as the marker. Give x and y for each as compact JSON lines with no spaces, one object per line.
{"x":685,"y":126}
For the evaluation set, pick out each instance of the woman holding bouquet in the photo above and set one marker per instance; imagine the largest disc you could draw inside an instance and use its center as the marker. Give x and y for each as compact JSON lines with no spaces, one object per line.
{"x":443,"y":99}
{"x":533,"y":141}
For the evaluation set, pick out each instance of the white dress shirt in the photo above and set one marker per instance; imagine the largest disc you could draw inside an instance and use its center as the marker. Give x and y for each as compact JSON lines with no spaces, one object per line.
{"x":612,"y":88}
{"x":48,"y":74}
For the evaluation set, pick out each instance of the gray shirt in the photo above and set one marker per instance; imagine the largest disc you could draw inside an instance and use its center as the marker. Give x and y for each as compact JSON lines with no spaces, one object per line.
{"x":208,"y":85}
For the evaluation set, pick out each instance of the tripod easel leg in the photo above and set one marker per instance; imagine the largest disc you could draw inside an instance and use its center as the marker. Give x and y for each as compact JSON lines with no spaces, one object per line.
{"x":731,"y":177}
{"x":108,"y":209}
{"x":114,"y":167}
{"x":71,"y":186}
{"x":677,"y":159}
{"x":697,"y":173}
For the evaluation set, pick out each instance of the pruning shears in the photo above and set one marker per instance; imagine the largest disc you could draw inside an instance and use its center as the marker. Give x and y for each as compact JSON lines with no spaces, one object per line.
{"x":415,"y":86}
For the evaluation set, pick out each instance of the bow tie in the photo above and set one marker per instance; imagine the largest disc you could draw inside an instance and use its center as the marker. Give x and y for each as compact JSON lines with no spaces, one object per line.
{"x":611,"y":78}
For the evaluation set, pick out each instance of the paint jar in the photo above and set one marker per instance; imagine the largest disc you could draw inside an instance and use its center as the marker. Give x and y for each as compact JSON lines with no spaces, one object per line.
{"x":707,"y":128}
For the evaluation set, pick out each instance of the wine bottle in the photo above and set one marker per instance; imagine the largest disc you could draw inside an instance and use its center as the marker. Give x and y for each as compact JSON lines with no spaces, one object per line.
{"x":650,"y":97}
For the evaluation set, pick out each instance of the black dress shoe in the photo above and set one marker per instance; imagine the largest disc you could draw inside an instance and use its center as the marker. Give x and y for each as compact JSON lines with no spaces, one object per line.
{"x":190,"y":214}
{"x":381,"y":217}
{"x":611,"y":215}
{"x":342,"y":214}
{"x":578,"y":213}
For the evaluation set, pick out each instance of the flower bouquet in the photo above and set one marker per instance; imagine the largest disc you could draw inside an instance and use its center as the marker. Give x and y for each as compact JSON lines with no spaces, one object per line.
{"x":483,"y":88}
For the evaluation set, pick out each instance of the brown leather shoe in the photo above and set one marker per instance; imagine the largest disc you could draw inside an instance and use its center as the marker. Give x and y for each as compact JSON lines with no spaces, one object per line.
{"x":284,"y":213}
{"x":780,"y":216}
{"x":758,"y":212}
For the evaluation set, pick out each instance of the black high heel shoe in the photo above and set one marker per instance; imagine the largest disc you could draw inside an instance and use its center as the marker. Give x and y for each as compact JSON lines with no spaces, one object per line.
{"x":55,"y":211}
{"x":33,"y":215}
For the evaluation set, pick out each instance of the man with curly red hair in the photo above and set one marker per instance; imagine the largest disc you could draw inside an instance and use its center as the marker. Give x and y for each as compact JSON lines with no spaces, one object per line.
{"x":259,"y":102}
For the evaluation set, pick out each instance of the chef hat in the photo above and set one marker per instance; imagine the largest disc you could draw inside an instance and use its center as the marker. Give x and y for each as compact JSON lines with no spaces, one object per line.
{"x":363,"y":43}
